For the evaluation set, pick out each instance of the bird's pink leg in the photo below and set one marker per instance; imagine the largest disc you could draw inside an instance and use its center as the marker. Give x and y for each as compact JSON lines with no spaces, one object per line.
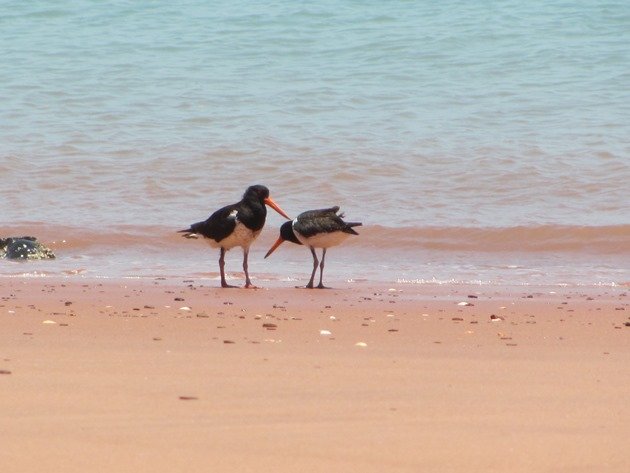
{"x":248,"y":282}
{"x":222,"y":269}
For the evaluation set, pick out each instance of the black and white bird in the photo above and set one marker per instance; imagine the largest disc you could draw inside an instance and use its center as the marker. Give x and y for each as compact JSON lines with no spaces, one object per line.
{"x":236,"y":225}
{"x":321,"y":228}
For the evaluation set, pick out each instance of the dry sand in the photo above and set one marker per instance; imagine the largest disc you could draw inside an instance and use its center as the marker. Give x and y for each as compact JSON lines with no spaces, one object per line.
{"x":180,"y":376}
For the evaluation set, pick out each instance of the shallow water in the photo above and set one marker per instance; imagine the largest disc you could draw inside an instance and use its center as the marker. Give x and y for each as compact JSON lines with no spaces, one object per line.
{"x":470,"y":140}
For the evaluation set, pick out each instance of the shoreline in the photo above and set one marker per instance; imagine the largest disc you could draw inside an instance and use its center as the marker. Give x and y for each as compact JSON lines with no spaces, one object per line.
{"x":152,"y":375}
{"x":382,"y":255}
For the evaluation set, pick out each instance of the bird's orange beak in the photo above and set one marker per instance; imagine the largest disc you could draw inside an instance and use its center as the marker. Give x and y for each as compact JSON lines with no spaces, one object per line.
{"x":275,"y":245}
{"x":269,"y":201}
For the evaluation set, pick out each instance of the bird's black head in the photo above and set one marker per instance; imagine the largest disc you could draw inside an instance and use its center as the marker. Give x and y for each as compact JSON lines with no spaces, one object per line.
{"x":287,"y":233}
{"x":257,"y":192}
{"x":260,"y":194}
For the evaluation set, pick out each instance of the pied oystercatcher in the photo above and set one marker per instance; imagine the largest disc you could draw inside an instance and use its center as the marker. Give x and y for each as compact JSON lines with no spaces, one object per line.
{"x":321,"y":228}
{"x":236,"y":225}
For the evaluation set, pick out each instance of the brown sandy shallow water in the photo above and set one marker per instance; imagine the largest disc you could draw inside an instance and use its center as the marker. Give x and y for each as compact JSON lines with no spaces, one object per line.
{"x":169,"y":375}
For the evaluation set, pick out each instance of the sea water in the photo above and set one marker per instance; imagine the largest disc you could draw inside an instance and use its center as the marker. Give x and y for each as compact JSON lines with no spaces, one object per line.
{"x":476,"y":141}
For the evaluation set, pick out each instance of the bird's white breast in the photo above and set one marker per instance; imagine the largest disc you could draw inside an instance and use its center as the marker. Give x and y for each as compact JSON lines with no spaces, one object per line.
{"x":323,"y":240}
{"x":240,"y":236}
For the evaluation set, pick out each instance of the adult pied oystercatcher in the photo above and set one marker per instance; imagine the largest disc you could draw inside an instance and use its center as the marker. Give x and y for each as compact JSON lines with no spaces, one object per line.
{"x":236,"y":225}
{"x":321,"y":228}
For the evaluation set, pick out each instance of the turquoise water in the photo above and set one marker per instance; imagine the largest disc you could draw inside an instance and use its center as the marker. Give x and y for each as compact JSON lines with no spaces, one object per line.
{"x":406,"y":114}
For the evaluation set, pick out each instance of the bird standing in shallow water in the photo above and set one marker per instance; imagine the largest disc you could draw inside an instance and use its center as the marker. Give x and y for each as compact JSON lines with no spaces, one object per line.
{"x":236,"y":225}
{"x":316,"y":229}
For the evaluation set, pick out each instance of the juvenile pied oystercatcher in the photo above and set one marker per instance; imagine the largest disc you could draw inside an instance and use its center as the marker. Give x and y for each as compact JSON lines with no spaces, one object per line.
{"x":236,"y":225}
{"x":321,"y":228}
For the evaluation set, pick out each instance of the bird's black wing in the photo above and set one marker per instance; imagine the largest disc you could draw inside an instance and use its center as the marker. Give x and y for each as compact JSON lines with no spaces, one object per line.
{"x":312,"y":222}
{"x":319,"y":213}
{"x":218,"y":225}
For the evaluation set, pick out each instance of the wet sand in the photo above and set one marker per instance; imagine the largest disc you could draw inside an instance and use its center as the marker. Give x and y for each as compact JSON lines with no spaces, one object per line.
{"x":169,"y":376}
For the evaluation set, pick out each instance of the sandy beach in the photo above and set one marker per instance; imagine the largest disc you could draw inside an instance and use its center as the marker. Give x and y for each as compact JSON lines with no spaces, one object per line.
{"x":478,"y":323}
{"x":168,"y":376}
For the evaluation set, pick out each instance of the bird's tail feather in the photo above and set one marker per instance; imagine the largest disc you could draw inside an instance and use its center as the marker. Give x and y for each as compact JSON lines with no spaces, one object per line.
{"x":349,"y":226}
{"x":188,"y":233}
